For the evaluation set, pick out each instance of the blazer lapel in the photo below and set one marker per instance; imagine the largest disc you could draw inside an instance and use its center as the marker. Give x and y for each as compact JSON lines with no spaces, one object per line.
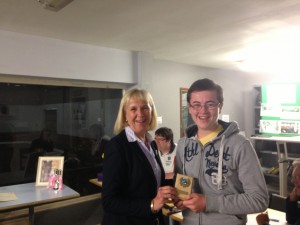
{"x":143,"y":158}
{"x":155,"y":151}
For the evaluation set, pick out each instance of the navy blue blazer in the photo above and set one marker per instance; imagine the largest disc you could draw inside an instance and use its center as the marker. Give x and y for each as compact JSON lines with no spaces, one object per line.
{"x":129,"y":184}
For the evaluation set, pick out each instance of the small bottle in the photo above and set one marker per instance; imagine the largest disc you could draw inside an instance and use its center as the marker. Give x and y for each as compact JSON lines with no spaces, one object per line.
{"x":60,"y":180}
{"x":56,"y":179}
{"x":56,"y":185}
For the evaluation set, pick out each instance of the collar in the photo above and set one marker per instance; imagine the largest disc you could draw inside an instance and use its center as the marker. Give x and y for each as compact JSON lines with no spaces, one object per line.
{"x":212,"y":135}
{"x":131,"y":137}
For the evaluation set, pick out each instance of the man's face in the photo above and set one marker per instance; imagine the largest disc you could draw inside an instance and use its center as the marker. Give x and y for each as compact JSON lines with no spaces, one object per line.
{"x":204,"y":108}
{"x":162,"y":144}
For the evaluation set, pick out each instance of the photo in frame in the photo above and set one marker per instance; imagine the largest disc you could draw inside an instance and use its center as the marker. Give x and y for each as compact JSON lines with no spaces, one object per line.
{"x":46,"y":166}
{"x":185,"y":117}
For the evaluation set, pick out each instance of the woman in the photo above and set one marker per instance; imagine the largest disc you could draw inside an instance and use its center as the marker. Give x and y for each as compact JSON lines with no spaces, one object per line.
{"x":132,"y":174}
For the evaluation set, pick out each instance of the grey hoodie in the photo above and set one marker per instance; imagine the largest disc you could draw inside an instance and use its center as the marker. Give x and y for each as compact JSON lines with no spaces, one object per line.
{"x":233,"y":186}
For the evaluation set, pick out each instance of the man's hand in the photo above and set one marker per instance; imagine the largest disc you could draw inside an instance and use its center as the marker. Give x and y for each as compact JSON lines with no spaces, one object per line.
{"x":195,"y":202}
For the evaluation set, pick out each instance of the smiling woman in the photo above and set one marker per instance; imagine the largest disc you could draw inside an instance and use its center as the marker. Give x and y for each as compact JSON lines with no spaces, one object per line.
{"x":130,"y":163}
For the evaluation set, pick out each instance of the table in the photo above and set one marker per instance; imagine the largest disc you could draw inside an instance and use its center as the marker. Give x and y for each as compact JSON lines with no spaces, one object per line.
{"x":96,"y":182}
{"x":276,"y":217}
{"x":282,"y":157}
{"x":30,"y":196}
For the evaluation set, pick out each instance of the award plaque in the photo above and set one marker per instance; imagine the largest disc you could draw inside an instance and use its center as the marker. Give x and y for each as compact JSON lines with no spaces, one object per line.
{"x":183,"y":185}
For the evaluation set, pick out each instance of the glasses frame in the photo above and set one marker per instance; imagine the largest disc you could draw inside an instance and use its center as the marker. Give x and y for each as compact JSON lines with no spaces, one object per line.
{"x":206,"y":106}
{"x":159,"y":139}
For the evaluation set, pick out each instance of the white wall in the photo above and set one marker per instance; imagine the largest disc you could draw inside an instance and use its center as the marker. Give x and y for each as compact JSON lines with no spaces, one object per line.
{"x":165,"y":83}
{"x":168,"y":77}
{"x":45,"y":57}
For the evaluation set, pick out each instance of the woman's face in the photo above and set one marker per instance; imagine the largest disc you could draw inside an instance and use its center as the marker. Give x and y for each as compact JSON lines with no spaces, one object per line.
{"x":138,"y":116}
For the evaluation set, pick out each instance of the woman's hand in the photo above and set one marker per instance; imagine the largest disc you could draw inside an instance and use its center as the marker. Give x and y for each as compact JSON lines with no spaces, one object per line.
{"x":179,"y":204}
{"x":166,"y":194}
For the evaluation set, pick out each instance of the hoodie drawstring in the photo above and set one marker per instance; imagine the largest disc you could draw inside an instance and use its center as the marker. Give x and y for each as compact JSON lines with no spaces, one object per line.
{"x":220,"y":164}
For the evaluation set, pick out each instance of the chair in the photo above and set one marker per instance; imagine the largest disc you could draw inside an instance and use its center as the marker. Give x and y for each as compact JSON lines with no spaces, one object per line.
{"x":277,"y":202}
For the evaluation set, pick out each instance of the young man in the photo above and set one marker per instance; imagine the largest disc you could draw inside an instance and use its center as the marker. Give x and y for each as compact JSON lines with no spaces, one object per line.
{"x":292,"y":207}
{"x":166,"y":149}
{"x":228,"y":181}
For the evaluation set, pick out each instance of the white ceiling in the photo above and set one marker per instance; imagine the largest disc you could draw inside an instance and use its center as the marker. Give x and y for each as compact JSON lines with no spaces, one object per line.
{"x":211,"y":33}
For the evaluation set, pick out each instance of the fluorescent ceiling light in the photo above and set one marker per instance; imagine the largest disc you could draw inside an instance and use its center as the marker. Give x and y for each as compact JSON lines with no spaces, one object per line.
{"x":54,"y":5}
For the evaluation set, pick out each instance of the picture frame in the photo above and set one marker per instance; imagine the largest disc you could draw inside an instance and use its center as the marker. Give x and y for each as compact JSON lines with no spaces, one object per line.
{"x":185,"y":117}
{"x":46,"y":165}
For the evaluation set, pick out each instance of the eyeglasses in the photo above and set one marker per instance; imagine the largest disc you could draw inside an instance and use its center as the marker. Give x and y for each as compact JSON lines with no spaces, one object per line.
{"x":207,"y":106}
{"x":159,"y":139}
{"x":295,"y":177}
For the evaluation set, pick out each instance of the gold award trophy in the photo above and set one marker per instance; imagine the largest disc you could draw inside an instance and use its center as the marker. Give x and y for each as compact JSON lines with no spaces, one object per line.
{"x":183,"y":185}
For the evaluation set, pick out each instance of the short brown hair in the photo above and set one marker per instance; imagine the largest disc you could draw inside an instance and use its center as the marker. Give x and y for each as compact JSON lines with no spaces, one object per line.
{"x":165,"y":132}
{"x":205,"y":85}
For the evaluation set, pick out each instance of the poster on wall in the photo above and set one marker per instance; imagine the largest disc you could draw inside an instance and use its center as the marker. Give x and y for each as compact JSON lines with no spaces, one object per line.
{"x":280,"y":109}
{"x":290,"y":112}
{"x":289,"y":127}
{"x":269,"y":126}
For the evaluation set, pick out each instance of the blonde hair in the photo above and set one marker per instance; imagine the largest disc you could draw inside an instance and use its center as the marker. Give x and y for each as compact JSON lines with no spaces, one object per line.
{"x":138,"y":94}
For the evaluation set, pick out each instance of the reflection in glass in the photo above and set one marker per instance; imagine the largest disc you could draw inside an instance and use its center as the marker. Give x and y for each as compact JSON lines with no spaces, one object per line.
{"x":54,"y":120}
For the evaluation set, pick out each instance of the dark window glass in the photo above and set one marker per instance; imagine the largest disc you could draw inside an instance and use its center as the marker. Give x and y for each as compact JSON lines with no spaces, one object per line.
{"x":74,"y":122}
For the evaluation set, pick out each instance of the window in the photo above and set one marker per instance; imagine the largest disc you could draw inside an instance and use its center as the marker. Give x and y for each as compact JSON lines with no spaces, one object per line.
{"x":55,"y":120}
